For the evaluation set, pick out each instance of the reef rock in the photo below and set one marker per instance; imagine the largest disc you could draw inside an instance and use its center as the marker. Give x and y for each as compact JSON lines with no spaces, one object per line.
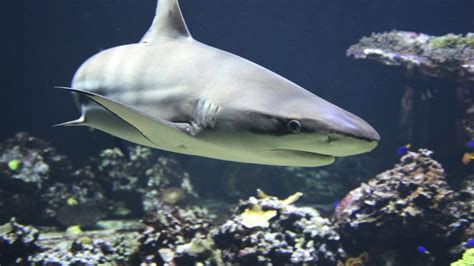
{"x":114,"y":244}
{"x":30,"y":160}
{"x":17,"y":242}
{"x":157,"y":180}
{"x":83,"y":251}
{"x":178,"y":236}
{"x":448,"y":56}
{"x":27,"y":166}
{"x":83,"y":194}
{"x":400,"y":209}
{"x":269,"y":231}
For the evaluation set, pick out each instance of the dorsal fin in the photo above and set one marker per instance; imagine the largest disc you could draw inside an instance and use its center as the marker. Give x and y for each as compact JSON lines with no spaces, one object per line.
{"x":167,"y":24}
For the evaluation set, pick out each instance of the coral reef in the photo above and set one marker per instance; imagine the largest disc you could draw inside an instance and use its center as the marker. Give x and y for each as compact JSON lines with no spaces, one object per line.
{"x":390,"y":218}
{"x":82,"y":194}
{"x":266,"y":230}
{"x":83,"y":251}
{"x":27,"y":166}
{"x":37,"y":161}
{"x":114,"y":244}
{"x":17,"y":242}
{"x":178,"y":236}
{"x":156,"y":180}
{"x":400,"y":209}
{"x":449,"y":56}
{"x":38,"y":186}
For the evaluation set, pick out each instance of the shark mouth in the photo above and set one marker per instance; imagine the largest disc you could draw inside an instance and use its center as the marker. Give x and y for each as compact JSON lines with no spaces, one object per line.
{"x":306,"y":153}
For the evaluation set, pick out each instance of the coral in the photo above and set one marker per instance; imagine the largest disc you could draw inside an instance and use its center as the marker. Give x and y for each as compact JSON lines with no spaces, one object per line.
{"x":254,"y":216}
{"x":89,"y":198}
{"x":452,"y":41}
{"x":156,"y":180}
{"x":31,"y":168}
{"x":39,"y":186}
{"x":448,"y":56}
{"x":83,"y":251}
{"x":17,"y":242}
{"x":400,"y":209}
{"x":115,"y":244}
{"x":285,"y":235}
{"x":37,"y":159}
{"x":176,"y":235}
{"x":27,"y":166}
{"x":466,"y":260}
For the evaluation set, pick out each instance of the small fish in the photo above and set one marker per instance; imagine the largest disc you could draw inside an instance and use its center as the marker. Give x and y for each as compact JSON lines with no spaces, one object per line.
{"x":403,"y":149}
{"x":470,"y":145}
{"x":422,"y":250}
{"x":467,"y":157}
{"x":469,"y":243}
{"x":71,"y":201}
{"x":14,"y":164}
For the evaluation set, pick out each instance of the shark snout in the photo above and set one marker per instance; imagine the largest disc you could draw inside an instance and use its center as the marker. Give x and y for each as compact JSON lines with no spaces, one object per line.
{"x":351,"y":125}
{"x":348,"y":135}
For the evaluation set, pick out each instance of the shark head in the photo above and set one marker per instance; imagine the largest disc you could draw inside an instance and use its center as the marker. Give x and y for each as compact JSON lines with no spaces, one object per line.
{"x":297,"y":127}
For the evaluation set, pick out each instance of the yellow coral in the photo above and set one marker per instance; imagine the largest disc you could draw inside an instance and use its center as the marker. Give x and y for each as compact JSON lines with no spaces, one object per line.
{"x":292,"y":199}
{"x":254,"y":216}
{"x":263,"y":195}
{"x":467,"y":259}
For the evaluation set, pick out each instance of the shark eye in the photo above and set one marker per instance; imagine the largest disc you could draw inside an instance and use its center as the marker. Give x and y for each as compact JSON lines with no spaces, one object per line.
{"x":294,"y":126}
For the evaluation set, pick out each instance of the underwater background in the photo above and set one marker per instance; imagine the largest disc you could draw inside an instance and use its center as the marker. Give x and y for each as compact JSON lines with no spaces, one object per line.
{"x":68,"y":181}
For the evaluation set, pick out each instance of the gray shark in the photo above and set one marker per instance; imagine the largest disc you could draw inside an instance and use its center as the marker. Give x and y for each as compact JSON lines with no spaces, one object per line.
{"x":177,"y":94}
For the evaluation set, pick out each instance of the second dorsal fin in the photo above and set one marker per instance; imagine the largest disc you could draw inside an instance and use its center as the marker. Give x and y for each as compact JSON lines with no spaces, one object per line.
{"x":167,"y":24}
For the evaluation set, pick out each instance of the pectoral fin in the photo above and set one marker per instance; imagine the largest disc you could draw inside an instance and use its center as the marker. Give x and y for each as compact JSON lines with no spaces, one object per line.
{"x":160,"y":132}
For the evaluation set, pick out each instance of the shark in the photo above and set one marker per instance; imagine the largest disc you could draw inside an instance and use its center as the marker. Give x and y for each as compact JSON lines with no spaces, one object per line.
{"x":174,"y":93}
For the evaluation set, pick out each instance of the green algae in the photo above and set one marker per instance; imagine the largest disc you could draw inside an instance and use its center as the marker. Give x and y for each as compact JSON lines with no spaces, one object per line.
{"x":452,"y":41}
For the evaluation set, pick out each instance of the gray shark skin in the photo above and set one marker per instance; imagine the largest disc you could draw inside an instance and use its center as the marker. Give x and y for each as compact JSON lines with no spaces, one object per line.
{"x":174,"y":93}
